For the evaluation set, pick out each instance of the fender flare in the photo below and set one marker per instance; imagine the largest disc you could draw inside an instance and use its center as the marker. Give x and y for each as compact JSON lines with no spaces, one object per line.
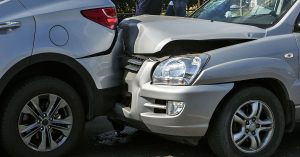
{"x":58,"y":58}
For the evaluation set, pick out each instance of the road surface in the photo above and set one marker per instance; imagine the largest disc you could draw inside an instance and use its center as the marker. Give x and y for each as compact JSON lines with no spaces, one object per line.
{"x":143,"y":144}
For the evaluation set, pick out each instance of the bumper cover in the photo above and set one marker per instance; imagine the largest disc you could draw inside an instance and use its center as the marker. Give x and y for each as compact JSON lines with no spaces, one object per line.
{"x":200,"y":104}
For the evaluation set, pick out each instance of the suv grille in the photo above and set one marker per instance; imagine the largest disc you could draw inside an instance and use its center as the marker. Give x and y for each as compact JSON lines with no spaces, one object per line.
{"x":134,"y":63}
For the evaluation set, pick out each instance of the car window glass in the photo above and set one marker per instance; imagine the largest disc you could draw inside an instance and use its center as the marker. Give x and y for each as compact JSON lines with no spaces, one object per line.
{"x":260,"y":12}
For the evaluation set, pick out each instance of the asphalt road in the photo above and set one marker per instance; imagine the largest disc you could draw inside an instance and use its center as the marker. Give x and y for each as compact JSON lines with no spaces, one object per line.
{"x":143,"y":144}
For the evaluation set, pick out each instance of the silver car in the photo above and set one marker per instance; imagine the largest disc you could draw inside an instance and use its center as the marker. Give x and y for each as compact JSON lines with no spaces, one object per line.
{"x":57,"y":70}
{"x":230,"y":73}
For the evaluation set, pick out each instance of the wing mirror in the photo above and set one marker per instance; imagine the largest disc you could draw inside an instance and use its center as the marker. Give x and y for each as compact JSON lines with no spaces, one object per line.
{"x":297,"y":25}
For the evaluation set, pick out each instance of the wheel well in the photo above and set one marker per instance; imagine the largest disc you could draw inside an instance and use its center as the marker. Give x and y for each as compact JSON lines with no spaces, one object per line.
{"x":53,"y":69}
{"x":271,"y":84}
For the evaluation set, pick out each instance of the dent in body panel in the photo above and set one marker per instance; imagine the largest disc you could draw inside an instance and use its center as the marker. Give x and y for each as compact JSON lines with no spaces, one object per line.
{"x":154,"y":32}
{"x":104,"y":73}
{"x":106,"y":69}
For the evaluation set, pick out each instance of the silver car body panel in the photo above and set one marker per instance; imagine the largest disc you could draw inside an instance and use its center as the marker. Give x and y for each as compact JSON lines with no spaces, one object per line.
{"x":193,"y":121}
{"x":258,"y":59}
{"x":271,"y":53}
{"x":16,"y":44}
{"x":56,"y":26}
{"x":167,"y":29}
{"x":175,"y":28}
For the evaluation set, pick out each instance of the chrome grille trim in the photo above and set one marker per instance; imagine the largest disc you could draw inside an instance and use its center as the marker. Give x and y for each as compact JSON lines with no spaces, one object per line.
{"x":134,"y":63}
{"x":132,"y":68}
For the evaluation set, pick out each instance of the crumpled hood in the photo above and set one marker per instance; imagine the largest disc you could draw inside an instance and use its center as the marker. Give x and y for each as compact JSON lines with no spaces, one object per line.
{"x":154,"y":32}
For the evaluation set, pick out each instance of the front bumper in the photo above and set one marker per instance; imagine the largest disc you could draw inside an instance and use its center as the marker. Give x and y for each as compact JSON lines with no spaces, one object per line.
{"x":147,"y":101}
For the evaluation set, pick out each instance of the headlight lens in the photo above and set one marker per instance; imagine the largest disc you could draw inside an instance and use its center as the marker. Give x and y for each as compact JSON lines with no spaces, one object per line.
{"x":179,"y":70}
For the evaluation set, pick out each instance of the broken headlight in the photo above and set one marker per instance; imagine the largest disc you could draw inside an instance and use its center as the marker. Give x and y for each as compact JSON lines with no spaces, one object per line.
{"x":179,"y":70}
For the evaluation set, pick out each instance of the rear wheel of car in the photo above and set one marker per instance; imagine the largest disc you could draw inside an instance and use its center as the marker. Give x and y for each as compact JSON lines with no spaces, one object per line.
{"x":42,"y":117}
{"x":250,"y":124}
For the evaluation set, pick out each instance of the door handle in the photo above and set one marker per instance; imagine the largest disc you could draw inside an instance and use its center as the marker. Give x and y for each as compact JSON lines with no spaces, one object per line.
{"x":10,"y":25}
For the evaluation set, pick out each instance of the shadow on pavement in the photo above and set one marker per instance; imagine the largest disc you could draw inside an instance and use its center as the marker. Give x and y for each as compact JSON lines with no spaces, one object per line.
{"x":142,"y":144}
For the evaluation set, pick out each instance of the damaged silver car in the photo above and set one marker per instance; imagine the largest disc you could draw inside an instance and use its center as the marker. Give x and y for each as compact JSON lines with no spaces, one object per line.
{"x":230,"y":73}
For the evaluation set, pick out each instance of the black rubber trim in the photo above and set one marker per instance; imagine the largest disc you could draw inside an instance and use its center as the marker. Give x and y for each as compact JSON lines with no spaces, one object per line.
{"x":296,"y":29}
{"x":109,"y":97}
{"x":13,"y":71}
{"x":290,"y":117}
{"x":104,"y":52}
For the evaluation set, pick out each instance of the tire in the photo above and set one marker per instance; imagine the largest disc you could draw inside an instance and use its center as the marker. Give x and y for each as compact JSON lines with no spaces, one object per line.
{"x":225,"y":128}
{"x":63,"y":124}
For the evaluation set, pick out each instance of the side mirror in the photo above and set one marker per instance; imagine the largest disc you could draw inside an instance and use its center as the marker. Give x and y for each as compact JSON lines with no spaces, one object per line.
{"x":297,"y":25}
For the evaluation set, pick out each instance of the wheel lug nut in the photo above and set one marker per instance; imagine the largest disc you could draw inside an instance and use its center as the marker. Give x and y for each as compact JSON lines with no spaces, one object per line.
{"x":257,"y":125}
{"x":247,"y":130}
{"x":42,"y":128}
{"x":44,"y":115}
{"x":253,"y":119}
{"x":247,"y":122}
{"x":253,"y":133}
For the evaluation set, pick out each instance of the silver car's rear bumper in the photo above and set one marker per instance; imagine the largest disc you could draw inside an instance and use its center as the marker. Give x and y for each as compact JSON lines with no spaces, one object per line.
{"x":147,"y":103}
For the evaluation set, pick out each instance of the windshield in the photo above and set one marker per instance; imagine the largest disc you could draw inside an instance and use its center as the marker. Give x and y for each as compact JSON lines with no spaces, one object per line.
{"x":252,"y":12}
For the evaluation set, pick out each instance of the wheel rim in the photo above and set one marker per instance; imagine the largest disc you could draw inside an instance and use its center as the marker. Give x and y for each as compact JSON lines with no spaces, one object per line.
{"x":252,"y":126}
{"x":45,"y":122}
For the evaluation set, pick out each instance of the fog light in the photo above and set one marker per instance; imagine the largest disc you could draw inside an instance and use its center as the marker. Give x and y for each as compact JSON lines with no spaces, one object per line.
{"x":174,"y":108}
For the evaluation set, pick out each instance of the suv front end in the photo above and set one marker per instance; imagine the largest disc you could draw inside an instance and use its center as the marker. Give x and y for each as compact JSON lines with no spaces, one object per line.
{"x":229,"y":75}
{"x":179,"y":110}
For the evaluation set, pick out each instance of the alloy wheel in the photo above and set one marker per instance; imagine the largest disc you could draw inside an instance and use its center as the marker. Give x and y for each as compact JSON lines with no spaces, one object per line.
{"x":45,"y":122}
{"x":252,"y":126}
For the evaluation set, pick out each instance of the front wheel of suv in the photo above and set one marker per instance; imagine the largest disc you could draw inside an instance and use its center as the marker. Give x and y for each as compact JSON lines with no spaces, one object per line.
{"x":250,"y":124}
{"x":42,"y":117}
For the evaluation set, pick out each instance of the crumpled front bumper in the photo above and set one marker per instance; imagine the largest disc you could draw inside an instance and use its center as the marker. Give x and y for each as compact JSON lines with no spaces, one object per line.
{"x":148,"y":101}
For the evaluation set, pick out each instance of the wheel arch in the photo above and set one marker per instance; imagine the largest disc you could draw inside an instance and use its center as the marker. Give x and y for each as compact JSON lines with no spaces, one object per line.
{"x":275,"y":86}
{"x":55,"y":65}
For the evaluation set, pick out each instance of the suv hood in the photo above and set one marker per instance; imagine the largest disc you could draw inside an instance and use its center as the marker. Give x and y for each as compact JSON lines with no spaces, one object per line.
{"x":148,"y":34}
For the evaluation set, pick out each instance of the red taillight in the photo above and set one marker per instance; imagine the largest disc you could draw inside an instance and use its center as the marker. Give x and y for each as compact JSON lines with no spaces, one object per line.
{"x":104,"y":16}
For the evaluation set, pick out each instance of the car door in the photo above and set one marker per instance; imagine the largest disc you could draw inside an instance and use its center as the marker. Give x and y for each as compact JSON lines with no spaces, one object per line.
{"x":17,"y":29}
